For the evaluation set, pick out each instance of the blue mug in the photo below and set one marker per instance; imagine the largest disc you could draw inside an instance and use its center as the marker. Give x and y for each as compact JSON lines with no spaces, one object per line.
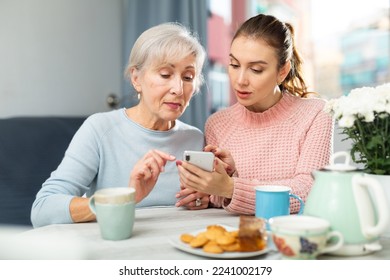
{"x":272,"y":201}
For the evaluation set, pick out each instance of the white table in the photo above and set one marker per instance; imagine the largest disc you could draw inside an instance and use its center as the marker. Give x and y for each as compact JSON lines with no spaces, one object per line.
{"x":152,"y":230}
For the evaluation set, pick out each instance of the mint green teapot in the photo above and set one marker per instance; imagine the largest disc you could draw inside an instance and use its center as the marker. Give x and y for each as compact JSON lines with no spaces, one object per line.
{"x":353,"y":203}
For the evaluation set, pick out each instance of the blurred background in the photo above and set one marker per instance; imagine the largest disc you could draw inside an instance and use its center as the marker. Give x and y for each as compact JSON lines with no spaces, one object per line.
{"x":66,"y":57}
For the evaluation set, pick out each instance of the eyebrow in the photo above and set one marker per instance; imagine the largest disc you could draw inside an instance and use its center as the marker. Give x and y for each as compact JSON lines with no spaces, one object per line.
{"x":187,"y":67}
{"x":252,"y":62}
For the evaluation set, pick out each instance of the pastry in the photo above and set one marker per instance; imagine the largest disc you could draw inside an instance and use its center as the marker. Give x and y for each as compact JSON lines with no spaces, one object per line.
{"x":252,"y":235}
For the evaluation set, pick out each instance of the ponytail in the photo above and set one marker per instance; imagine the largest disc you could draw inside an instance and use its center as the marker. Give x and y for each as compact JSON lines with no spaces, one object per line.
{"x":294,"y":82}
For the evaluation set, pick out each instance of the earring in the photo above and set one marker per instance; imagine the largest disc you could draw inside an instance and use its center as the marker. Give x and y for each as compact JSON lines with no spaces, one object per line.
{"x":139,"y":96}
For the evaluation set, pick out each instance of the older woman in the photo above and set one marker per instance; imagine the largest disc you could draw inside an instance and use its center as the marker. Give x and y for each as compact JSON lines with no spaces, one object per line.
{"x":134,"y":147}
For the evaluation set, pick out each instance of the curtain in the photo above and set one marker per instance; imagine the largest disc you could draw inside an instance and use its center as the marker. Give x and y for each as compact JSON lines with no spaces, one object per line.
{"x":140,"y":15}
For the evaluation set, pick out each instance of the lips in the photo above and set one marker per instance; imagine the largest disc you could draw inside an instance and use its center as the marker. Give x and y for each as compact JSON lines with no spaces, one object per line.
{"x":243,"y":94}
{"x":173,"y":105}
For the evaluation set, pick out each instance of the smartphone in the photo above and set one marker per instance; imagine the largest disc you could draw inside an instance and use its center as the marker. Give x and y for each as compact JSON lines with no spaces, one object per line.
{"x":204,"y":160}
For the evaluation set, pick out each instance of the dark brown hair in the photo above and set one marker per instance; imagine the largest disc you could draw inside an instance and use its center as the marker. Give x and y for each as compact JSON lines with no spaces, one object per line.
{"x":280,"y":36}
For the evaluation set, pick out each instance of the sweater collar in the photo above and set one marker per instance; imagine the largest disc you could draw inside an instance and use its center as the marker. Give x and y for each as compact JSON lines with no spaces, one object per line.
{"x":280,"y":111}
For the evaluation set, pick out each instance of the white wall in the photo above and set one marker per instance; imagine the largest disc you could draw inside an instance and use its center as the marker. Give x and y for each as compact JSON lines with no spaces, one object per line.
{"x":59,"y":57}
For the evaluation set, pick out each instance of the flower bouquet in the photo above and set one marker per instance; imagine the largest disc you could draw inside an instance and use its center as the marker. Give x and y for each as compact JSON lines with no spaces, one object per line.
{"x":364,"y":117}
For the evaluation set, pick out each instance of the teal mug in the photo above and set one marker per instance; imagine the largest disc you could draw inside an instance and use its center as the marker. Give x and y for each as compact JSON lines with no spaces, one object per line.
{"x":273,"y":200}
{"x":115,"y":212}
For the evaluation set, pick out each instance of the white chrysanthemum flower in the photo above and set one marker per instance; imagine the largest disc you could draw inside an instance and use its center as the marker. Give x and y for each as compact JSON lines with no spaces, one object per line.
{"x":347,"y":121}
{"x":383,"y":88}
{"x":368,"y":116}
{"x":361,"y":103}
{"x":383,"y":94}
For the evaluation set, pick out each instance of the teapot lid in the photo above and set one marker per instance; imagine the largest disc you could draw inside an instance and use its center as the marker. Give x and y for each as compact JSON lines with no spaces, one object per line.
{"x":345,"y":166}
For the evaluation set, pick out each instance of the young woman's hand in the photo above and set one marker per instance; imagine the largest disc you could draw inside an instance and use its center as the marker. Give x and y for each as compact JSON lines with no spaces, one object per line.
{"x":225,"y":156}
{"x":217,"y":182}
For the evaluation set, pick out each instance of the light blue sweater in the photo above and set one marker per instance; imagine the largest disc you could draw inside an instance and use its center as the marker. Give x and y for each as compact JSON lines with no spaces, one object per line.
{"x":102,"y":154}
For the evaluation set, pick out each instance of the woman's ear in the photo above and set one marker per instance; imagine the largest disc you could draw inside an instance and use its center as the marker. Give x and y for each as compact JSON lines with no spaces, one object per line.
{"x":135,"y":79}
{"x":283,"y":72}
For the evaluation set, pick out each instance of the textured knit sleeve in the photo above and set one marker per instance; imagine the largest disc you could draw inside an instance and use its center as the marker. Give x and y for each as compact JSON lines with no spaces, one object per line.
{"x":314,"y":153}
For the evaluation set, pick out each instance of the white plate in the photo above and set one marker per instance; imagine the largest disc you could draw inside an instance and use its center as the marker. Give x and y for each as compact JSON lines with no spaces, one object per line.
{"x":178,"y":244}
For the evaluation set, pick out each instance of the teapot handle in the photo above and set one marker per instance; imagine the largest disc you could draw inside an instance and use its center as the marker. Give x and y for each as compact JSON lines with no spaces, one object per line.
{"x":344,"y":154}
{"x":360,"y":182}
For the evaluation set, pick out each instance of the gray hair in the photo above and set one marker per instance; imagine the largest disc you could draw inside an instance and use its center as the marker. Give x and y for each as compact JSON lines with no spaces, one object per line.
{"x":164,"y":43}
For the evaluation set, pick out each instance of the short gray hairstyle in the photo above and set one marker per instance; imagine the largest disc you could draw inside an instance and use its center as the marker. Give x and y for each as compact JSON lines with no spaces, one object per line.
{"x":164,"y":43}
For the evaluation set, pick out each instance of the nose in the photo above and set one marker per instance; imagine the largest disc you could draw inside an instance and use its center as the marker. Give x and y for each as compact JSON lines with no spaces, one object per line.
{"x":177,"y":85}
{"x":241,"y":78}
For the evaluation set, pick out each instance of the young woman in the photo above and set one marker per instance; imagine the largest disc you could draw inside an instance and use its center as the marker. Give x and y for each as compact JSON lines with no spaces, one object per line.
{"x":275,"y":134}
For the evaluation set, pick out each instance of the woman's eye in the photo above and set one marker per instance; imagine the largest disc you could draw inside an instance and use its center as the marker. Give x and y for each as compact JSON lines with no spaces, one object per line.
{"x":188,"y":78}
{"x":234,"y":65}
{"x":165,"y":76}
{"x":257,"y":71}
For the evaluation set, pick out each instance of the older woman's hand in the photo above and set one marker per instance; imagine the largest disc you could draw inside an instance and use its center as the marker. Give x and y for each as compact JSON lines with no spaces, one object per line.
{"x":146,"y":171}
{"x":191,"y":199}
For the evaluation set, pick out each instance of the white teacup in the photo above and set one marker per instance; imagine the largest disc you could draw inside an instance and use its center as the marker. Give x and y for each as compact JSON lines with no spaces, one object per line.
{"x":115,"y":212}
{"x":304,"y":237}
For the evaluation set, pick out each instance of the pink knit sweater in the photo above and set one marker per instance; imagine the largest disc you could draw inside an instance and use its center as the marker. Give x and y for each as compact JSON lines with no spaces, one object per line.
{"x":281,"y":146}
